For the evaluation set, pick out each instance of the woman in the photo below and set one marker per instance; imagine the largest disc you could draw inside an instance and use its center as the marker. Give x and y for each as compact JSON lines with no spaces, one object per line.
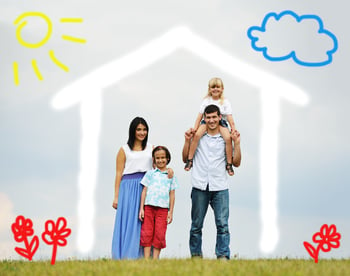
{"x":133,"y":160}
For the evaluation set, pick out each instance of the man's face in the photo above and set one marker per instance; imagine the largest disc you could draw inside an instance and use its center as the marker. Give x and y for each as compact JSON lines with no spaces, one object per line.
{"x":212,"y":120}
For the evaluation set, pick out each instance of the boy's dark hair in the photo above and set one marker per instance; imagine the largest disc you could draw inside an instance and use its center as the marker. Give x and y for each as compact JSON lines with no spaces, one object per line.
{"x":211,"y":109}
{"x":167,"y":152}
{"x":132,"y":130}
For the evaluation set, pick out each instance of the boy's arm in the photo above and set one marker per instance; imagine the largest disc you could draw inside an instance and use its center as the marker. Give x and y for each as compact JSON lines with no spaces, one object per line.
{"x":142,"y":203}
{"x":171,"y":206}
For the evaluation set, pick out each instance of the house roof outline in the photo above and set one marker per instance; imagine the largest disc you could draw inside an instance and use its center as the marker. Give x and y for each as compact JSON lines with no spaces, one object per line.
{"x":87,"y":91}
{"x":177,"y":38}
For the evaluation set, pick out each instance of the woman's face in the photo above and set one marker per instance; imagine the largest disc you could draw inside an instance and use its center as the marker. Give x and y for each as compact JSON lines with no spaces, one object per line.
{"x":141,"y":132}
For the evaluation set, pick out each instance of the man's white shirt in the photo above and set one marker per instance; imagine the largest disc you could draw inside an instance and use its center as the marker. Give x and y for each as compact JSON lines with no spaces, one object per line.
{"x":209,"y":164}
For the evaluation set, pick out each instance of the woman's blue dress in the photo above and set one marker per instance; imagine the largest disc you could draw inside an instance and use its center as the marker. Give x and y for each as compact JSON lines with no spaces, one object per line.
{"x":127,"y":227}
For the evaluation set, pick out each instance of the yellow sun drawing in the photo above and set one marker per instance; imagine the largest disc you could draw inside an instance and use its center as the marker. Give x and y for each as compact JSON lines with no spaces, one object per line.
{"x":21,"y":23}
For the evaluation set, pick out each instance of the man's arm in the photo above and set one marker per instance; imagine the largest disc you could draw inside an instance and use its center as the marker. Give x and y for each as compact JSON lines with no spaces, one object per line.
{"x":188,"y":137}
{"x":237,"y":157}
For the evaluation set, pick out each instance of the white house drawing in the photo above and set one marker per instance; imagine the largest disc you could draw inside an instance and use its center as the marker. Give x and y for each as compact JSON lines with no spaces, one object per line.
{"x":87,"y":92}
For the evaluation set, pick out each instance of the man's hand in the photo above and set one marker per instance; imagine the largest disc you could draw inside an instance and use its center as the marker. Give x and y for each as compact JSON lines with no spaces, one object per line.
{"x":237,"y":157}
{"x":189,"y":134}
{"x":236,"y":136}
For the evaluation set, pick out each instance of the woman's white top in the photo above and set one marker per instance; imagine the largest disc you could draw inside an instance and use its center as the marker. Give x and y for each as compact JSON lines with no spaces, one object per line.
{"x":225,"y":107}
{"x":138,"y":161}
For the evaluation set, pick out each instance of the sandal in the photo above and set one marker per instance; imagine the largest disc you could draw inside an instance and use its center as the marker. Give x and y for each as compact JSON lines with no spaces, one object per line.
{"x":189,"y":164}
{"x":229,"y":169}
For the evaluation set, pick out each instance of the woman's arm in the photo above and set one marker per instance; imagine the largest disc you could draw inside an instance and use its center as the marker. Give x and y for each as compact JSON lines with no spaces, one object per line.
{"x":120,"y":165}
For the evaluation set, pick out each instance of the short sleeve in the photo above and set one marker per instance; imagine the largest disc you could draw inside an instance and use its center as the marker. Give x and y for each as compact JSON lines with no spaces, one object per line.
{"x":203,"y":106}
{"x":227,"y":107}
{"x":174,"y":183}
{"x":146,"y":180}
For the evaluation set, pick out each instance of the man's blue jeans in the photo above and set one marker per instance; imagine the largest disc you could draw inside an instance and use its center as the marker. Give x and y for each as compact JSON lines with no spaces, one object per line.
{"x":219,"y":202}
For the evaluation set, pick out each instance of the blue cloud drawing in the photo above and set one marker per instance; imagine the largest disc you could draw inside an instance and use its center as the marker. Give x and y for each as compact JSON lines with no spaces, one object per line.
{"x":259,"y":35}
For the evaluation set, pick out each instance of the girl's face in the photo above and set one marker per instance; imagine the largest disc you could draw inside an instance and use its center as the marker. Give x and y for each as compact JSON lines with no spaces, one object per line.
{"x":141,"y":132}
{"x":216,"y":90}
{"x":160,"y":159}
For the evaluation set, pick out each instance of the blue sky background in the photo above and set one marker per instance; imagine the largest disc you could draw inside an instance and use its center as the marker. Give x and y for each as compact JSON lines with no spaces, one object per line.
{"x":39,"y":149}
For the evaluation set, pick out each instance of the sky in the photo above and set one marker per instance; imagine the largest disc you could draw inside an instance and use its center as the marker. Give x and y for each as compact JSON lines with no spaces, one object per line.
{"x":41,"y":145}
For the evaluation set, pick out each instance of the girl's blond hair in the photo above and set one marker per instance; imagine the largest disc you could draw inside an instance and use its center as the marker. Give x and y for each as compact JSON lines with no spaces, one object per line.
{"x":216,"y":82}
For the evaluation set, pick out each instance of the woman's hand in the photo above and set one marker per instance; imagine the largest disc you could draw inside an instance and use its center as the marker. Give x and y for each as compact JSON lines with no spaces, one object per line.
{"x":170,"y":173}
{"x":115,"y":203}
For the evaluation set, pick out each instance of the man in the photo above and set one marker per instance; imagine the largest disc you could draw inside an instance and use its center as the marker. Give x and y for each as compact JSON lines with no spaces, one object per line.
{"x":209,"y":183}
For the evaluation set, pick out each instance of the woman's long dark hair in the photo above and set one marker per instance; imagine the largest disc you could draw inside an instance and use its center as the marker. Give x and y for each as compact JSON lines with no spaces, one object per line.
{"x":132,"y":130}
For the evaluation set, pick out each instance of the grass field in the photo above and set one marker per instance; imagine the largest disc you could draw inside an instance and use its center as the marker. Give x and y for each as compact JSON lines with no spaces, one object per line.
{"x":177,"y":267}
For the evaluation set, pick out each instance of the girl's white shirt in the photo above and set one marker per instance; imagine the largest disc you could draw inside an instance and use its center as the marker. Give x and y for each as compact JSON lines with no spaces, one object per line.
{"x":225,"y":107}
{"x":138,"y":161}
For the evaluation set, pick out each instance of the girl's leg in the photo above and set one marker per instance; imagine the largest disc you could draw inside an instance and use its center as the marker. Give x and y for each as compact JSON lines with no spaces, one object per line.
{"x":193,"y":146}
{"x":227,"y":137}
{"x":147,"y":251}
{"x":156,"y":252}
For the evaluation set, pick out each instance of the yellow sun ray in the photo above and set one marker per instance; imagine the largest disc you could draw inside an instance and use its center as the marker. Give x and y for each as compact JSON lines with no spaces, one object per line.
{"x":36,"y":70}
{"x":15,"y":73}
{"x":71,"y":20}
{"x":57,"y":62}
{"x":73,"y":39}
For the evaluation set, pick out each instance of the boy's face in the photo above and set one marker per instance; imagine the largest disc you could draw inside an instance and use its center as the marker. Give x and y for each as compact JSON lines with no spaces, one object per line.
{"x":160,"y":159}
{"x":212,"y":120}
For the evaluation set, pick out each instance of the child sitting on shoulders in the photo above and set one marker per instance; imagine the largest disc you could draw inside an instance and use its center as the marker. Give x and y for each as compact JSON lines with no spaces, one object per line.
{"x":215,"y":96}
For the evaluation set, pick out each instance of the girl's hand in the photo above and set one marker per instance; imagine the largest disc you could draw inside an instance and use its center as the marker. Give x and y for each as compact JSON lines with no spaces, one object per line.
{"x":170,"y":217}
{"x":170,"y":173}
{"x":141,"y":214}
{"x":115,"y":203}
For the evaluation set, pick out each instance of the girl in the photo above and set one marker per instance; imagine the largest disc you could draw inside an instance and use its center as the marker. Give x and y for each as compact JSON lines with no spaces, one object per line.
{"x":215,"y":96}
{"x":157,"y":203}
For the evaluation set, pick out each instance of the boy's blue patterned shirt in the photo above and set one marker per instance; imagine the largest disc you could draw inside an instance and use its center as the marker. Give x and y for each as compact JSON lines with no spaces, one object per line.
{"x":158,"y":187}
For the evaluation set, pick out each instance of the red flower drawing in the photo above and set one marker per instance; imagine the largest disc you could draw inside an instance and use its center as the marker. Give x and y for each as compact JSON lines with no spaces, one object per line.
{"x":55,"y":234}
{"x":22,"y":228}
{"x":326,"y":239}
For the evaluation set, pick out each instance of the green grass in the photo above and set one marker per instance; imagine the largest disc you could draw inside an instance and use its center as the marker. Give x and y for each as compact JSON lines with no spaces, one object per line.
{"x":177,"y":267}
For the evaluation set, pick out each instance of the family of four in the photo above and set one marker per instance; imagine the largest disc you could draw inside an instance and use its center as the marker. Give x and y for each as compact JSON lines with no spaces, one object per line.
{"x":145,"y":187}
